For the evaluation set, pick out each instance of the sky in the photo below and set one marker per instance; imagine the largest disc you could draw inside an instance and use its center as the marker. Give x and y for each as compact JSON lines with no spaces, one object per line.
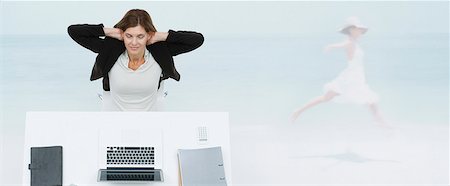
{"x":222,"y":18}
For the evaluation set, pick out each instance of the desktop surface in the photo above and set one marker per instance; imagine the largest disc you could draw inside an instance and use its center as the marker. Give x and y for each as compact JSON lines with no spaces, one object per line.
{"x":82,"y":136}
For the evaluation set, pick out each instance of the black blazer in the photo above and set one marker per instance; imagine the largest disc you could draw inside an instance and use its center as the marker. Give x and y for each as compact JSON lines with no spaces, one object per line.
{"x":109,"y":49}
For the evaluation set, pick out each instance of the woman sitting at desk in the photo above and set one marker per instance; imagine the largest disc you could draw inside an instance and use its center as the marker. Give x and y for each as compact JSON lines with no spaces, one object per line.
{"x":133,"y":59}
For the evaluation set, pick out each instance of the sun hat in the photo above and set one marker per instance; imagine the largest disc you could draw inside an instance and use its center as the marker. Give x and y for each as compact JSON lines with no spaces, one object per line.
{"x":353,"y":21}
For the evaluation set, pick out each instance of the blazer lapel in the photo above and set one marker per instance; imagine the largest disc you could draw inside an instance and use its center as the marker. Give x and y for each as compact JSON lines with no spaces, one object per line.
{"x":106,"y":57}
{"x":162,"y":56}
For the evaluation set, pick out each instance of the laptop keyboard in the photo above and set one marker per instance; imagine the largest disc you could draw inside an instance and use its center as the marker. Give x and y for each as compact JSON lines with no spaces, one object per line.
{"x":130,"y":156}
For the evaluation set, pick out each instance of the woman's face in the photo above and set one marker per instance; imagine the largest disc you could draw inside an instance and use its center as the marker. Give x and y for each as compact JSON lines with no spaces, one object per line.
{"x":135,"y":39}
{"x":355,"y":31}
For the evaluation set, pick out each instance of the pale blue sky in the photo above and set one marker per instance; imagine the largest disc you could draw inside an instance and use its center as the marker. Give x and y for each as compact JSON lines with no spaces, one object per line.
{"x":230,"y":17}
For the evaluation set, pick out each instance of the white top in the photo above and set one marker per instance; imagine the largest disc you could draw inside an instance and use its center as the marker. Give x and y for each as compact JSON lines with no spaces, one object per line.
{"x":133,"y":90}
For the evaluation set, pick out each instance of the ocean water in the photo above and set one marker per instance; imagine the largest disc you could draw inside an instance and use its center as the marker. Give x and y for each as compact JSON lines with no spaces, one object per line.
{"x":263,"y":80}
{"x":250,"y":76}
{"x":259,"y":81}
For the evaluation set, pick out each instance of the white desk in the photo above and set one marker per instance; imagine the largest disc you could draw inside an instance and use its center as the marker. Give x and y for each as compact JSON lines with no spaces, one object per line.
{"x":78,"y":133}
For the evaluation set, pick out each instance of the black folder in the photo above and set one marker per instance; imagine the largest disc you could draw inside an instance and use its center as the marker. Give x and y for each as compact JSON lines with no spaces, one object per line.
{"x":46,"y":166}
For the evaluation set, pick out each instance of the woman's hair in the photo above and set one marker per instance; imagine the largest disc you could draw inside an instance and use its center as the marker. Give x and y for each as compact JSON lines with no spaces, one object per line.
{"x":134,"y":18}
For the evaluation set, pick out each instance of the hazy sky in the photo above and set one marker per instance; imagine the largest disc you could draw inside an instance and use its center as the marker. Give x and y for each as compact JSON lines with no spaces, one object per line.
{"x":230,"y":17}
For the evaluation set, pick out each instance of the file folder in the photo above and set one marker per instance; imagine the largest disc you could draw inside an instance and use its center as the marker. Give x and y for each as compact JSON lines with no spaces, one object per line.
{"x":201,"y":167}
{"x":46,"y":166}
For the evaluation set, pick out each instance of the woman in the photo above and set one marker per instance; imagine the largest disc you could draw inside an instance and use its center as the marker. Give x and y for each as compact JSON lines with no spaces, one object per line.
{"x":350,"y":86}
{"x":133,"y":59}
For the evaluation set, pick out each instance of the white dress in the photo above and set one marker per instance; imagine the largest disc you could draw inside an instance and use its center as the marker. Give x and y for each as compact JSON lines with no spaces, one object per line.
{"x":134,"y":90}
{"x":351,"y":84}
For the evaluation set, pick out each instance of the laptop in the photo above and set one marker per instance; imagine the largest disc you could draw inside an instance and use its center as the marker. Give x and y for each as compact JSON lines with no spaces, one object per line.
{"x":130,"y":155}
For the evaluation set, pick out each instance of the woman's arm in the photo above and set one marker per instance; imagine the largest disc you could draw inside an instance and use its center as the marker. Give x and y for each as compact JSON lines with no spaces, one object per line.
{"x":114,"y":33}
{"x":180,"y":42}
{"x":157,"y":37}
{"x":343,"y":44}
{"x":347,"y":45}
{"x":87,"y":35}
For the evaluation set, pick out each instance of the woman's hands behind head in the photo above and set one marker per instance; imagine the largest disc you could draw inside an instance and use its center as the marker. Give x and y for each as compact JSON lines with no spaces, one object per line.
{"x":114,"y":33}
{"x":156,"y":37}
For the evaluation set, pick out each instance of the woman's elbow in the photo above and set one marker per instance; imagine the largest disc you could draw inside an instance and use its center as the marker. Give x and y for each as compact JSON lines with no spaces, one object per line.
{"x":71,"y":30}
{"x":200,"y":40}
